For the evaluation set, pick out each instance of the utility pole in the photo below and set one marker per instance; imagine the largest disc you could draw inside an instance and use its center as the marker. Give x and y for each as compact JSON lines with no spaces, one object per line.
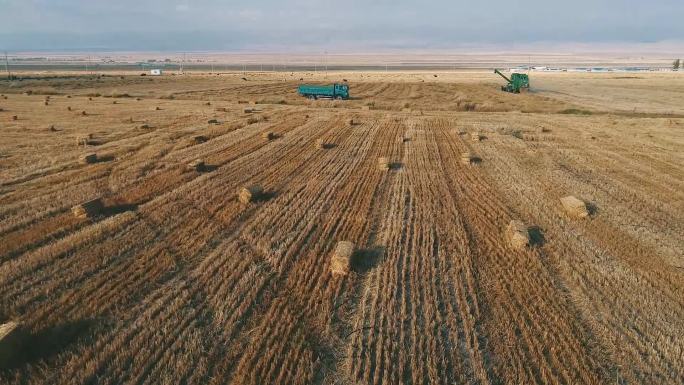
{"x":181,"y":66}
{"x":529,"y":64}
{"x":9,"y":74}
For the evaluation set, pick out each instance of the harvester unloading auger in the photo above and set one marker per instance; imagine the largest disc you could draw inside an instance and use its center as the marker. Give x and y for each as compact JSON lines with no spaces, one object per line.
{"x":516,"y":83}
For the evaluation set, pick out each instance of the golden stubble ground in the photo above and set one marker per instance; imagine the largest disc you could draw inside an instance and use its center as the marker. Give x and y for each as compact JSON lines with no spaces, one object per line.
{"x":177,"y":280}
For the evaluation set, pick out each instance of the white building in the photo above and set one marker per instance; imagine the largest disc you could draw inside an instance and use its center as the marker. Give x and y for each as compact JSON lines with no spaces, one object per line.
{"x":156,"y":72}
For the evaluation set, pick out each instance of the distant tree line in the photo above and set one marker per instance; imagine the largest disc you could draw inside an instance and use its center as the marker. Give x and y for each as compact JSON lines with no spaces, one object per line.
{"x":677,"y":64}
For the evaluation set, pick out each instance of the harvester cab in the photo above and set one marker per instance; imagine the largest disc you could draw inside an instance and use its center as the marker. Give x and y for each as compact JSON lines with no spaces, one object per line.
{"x":516,"y":83}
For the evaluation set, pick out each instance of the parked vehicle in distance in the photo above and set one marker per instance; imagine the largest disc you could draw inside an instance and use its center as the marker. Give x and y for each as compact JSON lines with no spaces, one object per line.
{"x":332,"y":91}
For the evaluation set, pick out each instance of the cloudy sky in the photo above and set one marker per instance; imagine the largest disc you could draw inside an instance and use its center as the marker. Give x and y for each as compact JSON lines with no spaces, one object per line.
{"x":332,"y":25}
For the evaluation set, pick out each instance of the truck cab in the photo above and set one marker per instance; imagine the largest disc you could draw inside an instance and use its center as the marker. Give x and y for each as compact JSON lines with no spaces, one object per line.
{"x":341,"y":91}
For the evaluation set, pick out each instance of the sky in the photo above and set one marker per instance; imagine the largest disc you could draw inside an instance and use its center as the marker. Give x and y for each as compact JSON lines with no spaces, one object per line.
{"x":342,"y":25}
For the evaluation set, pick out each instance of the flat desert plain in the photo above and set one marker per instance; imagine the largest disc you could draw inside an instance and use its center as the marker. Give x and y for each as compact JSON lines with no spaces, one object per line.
{"x":128,"y":254}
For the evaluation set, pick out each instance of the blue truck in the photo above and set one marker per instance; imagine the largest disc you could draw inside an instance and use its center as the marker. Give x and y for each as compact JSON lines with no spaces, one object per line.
{"x":332,"y":91}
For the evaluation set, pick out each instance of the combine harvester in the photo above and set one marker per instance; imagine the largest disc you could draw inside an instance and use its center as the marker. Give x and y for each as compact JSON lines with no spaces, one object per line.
{"x":516,"y":83}
{"x":333,"y":91}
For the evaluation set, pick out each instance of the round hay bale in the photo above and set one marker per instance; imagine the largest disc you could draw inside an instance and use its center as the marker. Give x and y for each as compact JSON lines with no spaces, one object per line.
{"x":15,"y":117}
{"x":268,"y":135}
{"x":383,"y":164}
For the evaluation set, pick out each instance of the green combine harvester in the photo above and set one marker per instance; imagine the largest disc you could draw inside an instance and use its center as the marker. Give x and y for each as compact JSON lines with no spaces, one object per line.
{"x":516,"y":83}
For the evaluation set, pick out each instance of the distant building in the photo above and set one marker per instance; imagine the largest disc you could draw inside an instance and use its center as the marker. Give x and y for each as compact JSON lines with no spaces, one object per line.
{"x":156,"y":72}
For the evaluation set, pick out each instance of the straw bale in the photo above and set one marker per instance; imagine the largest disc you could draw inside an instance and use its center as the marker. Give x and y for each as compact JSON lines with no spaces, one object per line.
{"x":340,"y":262}
{"x":88,"y":209}
{"x":250,"y":193}
{"x":575,"y":207}
{"x":89,"y":158}
{"x":517,"y":234}
{"x":10,"y":342}
{"x":197,"y":165}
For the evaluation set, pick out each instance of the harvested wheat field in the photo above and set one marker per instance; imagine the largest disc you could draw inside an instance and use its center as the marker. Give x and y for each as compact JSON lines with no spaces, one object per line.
{"x":132,"y":252}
